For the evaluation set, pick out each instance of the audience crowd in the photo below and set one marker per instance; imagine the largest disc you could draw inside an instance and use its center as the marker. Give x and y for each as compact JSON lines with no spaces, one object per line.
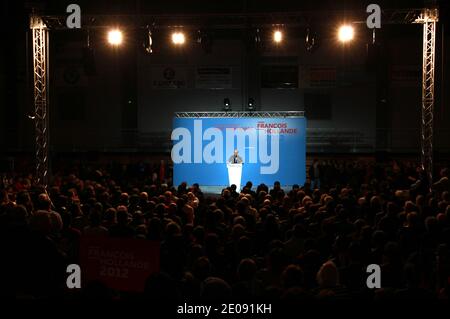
{"x":311,"y":241}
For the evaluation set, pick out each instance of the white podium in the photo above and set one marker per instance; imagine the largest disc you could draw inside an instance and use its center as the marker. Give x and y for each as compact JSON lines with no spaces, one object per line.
{"x":235,"y":175}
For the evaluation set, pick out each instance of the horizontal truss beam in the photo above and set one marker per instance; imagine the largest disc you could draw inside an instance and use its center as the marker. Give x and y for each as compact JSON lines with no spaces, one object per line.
{"x":259,"y":114}
{"x":228,"y":20}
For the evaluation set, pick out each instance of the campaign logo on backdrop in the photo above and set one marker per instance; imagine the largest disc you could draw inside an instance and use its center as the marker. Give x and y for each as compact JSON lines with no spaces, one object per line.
{"x":271,"y":149}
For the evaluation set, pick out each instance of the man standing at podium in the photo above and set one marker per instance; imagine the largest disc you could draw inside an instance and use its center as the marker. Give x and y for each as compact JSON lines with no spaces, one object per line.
{"x":235,"y":158}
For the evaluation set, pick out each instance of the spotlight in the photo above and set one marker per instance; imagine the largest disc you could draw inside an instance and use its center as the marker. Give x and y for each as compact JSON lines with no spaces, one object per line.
{"x":115,"y":37}
{"x":346,"y":33}
{"x":251,"y":104}
{"x":178,"y":38}
{"x":277,"y":36}
{"x":226,"y":104}
{"x":310,"y":40}
{"x":148,"y":42}
{"x":257,"y":36}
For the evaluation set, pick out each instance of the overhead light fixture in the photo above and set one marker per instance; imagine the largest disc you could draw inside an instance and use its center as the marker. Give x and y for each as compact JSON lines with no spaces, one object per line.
{"x":346,"y":33}
{"x":310,"y":40}
{"x":226,"y":104}
{"x":277,"y":36}
{"x":257,"y":36}
{"x":178,"y":38}
{"x":251,"y":104}
{"x":115,"y":37}
{"x":148,"y":43}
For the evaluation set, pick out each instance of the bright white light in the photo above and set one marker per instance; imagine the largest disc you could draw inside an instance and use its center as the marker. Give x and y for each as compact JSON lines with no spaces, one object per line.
{"x":115,"y":37}
{"x":178,"y":38}
{"x":346,"y":33}
{"x":277,"y":36}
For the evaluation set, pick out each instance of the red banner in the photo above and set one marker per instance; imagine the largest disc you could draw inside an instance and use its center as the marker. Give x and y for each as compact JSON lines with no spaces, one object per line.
{"x":120,"y":263}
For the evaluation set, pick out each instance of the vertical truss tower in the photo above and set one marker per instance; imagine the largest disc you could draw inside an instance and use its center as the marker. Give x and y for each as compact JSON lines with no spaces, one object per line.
{"x":428,"y":18}
{"x":40,"y":71}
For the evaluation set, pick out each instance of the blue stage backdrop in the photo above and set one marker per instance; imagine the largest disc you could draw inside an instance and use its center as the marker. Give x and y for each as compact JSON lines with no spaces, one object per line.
{"x":272,"y":149}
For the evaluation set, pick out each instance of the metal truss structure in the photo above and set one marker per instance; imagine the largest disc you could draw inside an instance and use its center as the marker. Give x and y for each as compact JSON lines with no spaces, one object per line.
{"x":237,"y":20}
{"x":406,"y":16}
{"x":428,"y":18}
{"x":259,"y":114}
{"x":41,"y":98}
{"x":41,"y":24}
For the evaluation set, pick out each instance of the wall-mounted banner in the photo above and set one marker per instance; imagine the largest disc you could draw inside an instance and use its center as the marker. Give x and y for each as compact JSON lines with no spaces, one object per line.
{"x":213,"y":78}
{"x":272,"y":149}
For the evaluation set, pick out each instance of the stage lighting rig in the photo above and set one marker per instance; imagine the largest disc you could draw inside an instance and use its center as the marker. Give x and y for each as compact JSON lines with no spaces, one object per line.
{"x":148,"y":42}
{"x":251,"y":104}
{"x":226,"y":104}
